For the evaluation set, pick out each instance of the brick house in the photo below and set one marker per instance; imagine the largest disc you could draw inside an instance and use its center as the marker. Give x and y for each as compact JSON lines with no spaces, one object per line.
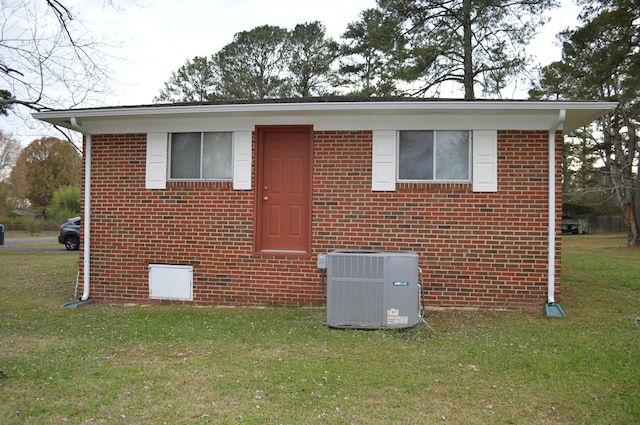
{"x":231,"y":203}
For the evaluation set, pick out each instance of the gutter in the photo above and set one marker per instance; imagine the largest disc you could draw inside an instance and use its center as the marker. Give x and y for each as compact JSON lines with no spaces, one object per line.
{"x":86,"y":220}
{"x":429,"y":105}
{"x":552,"y":308}
{"x":578,"y":112}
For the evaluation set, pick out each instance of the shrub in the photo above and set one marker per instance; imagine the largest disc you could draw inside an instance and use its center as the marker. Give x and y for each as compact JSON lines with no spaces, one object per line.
{"x":30,"y":223}
{"x":65,"y":203}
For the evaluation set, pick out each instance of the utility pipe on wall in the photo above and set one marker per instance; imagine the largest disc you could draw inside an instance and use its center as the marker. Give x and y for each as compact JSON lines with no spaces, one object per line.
{"x":87,"y":208}
{"x":551,"y":283}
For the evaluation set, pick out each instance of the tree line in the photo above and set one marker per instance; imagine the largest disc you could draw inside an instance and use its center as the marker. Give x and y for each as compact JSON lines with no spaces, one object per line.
{"x":601,"y":60}
{"x":43,"y":176}
{"x":399,"y":48}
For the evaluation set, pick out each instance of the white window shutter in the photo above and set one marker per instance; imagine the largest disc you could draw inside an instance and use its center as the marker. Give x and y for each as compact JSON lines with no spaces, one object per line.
{"x":383,"y":169}
{"x":242,"y":160}
{"x":156,"y":172}
{"x":485,"y":161}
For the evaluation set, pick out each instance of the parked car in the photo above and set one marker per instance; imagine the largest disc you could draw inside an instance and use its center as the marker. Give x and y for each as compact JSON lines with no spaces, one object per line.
{"x":70,"y":234}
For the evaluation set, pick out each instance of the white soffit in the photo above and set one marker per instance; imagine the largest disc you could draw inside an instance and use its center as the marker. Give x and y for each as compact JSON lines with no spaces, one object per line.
{"x":349,"y":115}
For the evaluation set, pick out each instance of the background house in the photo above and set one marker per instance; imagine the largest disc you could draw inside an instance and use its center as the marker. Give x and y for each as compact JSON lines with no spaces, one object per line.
{"x":230,"y":203}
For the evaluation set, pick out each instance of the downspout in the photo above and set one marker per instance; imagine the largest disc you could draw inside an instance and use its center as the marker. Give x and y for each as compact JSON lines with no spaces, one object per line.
{"x":87,"y":208}
{"x":552,"y":207}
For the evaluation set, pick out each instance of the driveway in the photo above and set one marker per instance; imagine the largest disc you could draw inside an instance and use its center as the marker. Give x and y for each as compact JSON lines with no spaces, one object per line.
{"x":26,"y":245}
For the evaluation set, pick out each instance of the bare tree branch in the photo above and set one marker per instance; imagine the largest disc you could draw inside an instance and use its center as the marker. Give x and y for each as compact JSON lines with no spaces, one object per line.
{"x":48,"y":60}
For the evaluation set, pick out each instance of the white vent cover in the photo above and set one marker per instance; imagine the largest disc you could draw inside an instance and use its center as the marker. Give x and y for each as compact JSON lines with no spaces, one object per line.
{"x":170,"y":282}
{"x":373,"y":289}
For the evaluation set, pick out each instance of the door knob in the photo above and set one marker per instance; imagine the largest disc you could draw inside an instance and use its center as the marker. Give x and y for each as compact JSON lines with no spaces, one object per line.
{"x":266,"y":198}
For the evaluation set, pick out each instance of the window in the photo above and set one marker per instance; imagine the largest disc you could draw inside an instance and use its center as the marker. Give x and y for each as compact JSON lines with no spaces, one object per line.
{"x":201,"y":156}
{"x":434,"y":155}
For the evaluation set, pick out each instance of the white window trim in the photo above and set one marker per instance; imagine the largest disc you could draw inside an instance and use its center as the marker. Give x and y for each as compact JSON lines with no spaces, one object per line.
{"x":484,"y":161}
{"x":157,"y":161}
{"x":156,"y":165}
{"x":383,"y":167}
{"x":242,"y":160}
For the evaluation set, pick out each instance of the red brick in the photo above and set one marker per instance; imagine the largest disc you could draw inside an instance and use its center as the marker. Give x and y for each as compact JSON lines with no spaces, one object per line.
{"x":472,"y":247}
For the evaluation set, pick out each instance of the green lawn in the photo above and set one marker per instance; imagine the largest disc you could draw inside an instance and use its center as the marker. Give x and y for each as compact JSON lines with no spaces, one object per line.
{"x":116,"y":364}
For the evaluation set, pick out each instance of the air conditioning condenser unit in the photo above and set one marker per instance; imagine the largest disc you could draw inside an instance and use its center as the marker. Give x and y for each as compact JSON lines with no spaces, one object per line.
{"x":373,"y":289}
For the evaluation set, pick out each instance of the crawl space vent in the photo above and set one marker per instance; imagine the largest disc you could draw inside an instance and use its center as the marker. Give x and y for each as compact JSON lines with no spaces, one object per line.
{"x":170,"y":282}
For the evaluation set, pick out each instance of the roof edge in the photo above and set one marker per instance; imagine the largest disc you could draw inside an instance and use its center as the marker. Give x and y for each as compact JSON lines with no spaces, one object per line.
{"x":323,"y":104}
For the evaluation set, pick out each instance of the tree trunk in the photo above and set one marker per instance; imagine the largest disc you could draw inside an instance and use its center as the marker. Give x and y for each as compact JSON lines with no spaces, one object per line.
{"x":468,"y":50}
{"x":632,"y":148}
{"x":633,"y":236}
{"x":624,"y":180}
{"x":625,"y":196}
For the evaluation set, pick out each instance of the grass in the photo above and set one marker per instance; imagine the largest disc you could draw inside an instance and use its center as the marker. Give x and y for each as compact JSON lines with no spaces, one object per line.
{"x":117,"y":364}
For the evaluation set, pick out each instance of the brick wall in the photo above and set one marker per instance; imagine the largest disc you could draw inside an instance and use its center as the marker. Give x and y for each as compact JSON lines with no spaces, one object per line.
{"x":476,"y":249}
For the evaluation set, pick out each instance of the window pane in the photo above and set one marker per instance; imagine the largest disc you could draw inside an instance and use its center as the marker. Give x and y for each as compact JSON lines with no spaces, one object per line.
{"x":415,"y":155}
{"x":452,"y":155}
{"x":185,"y":156}
{"x":217,"y":153}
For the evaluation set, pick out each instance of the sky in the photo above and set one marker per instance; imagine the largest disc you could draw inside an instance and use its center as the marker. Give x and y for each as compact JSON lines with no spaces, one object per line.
{"x":162,"y":34}
{"x":153,"y":38}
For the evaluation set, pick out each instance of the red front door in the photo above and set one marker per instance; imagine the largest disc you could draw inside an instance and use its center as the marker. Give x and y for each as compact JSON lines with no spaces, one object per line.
{"x":283,"y":189}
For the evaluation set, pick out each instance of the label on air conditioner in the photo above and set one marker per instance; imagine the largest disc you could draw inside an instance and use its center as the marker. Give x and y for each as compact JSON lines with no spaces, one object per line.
{"x":393,"y":317}
{"x":400,"y":283}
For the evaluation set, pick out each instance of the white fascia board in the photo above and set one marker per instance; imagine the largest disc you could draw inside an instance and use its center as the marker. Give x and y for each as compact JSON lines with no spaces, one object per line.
{"x":333,"y":115}
{"x":330,"y":122}
{"x":435,"y":105}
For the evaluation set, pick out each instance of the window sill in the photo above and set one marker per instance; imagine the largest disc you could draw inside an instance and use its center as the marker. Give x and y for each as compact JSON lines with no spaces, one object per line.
{"x":200,"y":183}
{"x":434,"y":185}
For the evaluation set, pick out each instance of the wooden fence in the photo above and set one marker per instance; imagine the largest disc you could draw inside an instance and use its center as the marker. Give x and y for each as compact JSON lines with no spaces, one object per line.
{"x":605,"y":224}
